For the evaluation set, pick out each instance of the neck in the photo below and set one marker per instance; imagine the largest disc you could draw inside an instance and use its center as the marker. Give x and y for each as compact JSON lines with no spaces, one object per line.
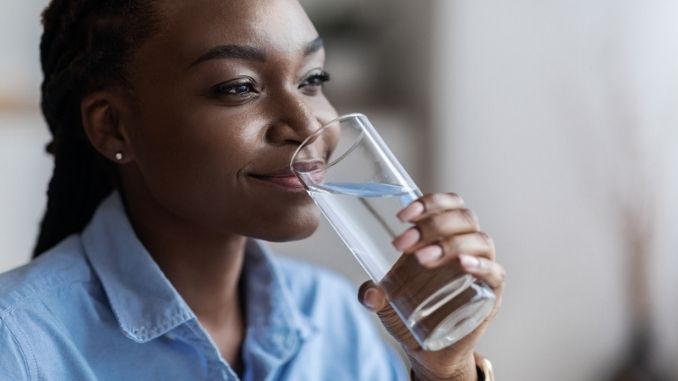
{"x":204,"y":267}
{"x":206,"y":275}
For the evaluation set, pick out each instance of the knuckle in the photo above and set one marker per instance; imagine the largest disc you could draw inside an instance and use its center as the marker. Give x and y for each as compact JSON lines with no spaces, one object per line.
{"x":440,"y":198}
{"x":442,"y":201}
{"x":439,"y":219}
{"x":448,"y":246}
{"x":425,"y":225}
{"x":502,"y":274}
{"x":486,"y":238}
{"x":483,"y":265}
{"x":470,"y":217}
{"x":428,"y":200}
{"x":489,"y":243}
{"x":452,"y":194}
{"x":455,"y":244}
{"x":456,"y":197}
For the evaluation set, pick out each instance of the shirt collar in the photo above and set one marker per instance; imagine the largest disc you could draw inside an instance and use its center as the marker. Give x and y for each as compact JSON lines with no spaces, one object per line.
{"x":270,"y":306}
{"x":145,"y":303}
{"x":276,"y":327}
{"x":143,"y":300}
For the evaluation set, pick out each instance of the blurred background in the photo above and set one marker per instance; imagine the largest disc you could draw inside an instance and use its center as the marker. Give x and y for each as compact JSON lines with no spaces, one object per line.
{"x":556,"y":120}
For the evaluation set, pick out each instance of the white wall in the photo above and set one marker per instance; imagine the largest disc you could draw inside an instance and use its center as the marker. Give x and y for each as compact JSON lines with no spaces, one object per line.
{"x":24,"y":169}
{"x":24,"y":166}
{"x":20,"y":31}
{"x":534,"y":102}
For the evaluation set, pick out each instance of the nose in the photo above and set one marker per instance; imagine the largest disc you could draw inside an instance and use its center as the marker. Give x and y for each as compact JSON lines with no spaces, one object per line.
{"x":294,"y":120}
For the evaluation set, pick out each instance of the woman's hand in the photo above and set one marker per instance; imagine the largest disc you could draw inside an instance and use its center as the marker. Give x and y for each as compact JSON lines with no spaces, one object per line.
{"x":443,"y":231}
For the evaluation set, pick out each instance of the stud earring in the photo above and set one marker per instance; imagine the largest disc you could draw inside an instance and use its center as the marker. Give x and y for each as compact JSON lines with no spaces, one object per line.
{"x":118,"y":156}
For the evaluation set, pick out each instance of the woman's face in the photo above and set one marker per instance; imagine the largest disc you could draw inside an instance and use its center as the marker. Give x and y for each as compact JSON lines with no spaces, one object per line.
{"x":224,"y":93}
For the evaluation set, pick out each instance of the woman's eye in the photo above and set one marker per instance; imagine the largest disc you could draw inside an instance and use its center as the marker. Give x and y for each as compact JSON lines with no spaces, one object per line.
{"x":234,"y":89}
{"x":315,"y":80}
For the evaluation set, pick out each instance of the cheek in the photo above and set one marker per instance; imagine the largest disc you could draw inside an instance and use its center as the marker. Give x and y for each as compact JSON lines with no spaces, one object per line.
{"x":190,"y":165}
{"x":323,"y":109}
{"x":194,"y":170}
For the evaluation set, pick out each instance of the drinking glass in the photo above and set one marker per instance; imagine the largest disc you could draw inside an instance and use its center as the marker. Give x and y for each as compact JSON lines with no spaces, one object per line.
{"x":360,"y":186}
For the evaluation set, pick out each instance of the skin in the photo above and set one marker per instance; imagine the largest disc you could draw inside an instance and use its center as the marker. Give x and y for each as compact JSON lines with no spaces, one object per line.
{"x":443,"y":231}
{"x":202,"y":170}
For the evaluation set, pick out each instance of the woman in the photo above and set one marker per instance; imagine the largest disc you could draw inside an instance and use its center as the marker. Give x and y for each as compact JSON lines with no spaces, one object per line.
{"x":173,"y":124}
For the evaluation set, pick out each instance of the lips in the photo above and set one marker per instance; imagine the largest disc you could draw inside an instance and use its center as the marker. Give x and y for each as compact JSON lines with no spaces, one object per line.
{"x":309,"y":166}
{"x":289,"y":181}
{"x":313,"y":170}
{"x":285,"y":180}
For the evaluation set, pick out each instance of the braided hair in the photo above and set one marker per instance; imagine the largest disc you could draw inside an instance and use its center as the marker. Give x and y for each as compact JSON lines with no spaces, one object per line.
{"x":86,"y":46}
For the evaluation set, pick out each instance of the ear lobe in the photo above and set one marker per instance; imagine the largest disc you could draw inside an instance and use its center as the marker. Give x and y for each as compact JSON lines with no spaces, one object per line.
{"x":101,"y":113}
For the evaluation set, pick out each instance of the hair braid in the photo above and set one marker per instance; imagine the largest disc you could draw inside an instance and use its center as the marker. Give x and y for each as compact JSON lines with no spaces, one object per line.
{"x":86,"y":45}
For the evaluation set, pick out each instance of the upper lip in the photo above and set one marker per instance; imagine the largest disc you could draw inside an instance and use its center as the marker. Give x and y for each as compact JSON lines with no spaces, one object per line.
{"x":304,"y":166}
{"x":282,"y":172}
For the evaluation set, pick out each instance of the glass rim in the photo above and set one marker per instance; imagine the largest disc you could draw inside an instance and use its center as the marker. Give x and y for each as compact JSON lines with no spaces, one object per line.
{"x":322,"y":129}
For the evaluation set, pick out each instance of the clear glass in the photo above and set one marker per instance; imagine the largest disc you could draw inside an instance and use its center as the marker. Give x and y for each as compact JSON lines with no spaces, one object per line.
{"x":360,"y":186}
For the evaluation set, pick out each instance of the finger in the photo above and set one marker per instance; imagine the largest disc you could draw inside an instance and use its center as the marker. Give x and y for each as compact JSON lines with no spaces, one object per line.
{"x":430,"y":204}
{"x":429,"y":229}
{"x":372,"y":296}
{"x":476,"y":243}
{"x":449,"y":249}
{"x":484,"y":269}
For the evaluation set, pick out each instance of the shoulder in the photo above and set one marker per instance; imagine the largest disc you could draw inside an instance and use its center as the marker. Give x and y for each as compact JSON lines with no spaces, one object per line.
{"x":31,"y":299}
{"x":43,"y":295}
{"x":14,"y":361}
{"x":58,"y":268}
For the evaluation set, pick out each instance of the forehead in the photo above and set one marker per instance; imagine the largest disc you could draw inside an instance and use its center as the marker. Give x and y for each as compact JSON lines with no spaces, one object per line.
{"x":191,"y":27}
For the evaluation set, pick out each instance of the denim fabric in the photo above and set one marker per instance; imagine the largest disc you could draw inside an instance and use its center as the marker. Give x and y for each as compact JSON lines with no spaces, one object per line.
{"x":97,"y":307}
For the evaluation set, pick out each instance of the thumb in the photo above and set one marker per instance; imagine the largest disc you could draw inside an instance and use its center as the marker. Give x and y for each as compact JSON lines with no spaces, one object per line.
{"x":374,"y":298}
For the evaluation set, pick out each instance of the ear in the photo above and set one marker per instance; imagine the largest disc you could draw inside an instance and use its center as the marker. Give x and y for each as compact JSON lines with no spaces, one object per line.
{"x":104,"y":119}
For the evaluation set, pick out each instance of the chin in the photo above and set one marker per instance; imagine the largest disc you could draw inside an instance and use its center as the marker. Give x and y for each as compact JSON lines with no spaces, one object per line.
{"x":293,"y":228}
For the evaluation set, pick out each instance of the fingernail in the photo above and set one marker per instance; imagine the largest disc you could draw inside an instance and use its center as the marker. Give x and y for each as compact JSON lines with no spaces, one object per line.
{"x":407,"y":239}
{"x":429,"y":254}
{"x":368,"y":298}
{"x":469,"y":262}
{"x":412,"y":210}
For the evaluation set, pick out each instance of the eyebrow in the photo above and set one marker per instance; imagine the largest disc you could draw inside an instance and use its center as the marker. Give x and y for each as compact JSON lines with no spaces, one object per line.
{"x":232,"y":52}
{"x":313,"y":46}
{"x":250,"y":53}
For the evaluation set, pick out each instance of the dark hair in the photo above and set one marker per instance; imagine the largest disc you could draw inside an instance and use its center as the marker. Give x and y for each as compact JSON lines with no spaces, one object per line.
{"x":86,"y":45}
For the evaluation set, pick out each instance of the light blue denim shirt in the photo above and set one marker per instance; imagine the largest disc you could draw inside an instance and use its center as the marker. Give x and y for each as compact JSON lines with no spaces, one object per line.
{"x":97,"y":307}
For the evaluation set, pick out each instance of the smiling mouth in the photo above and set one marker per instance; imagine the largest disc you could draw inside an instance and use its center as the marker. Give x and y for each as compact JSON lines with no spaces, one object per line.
{"x":288,"y":181}
{"x":311,"y":171}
